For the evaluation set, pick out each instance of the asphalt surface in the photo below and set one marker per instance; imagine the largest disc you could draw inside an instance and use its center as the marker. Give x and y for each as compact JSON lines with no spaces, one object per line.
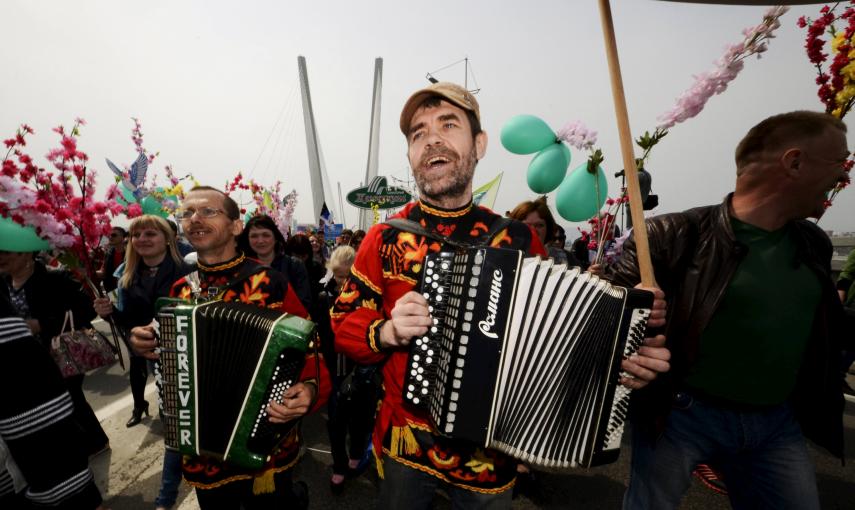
{"x":129,"y":473}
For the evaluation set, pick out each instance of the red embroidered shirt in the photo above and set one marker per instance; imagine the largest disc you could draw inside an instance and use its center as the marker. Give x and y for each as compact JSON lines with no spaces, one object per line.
{"x":387,"y":266}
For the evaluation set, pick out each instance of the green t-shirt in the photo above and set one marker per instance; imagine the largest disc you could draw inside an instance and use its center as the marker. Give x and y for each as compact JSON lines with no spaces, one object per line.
{"x":751,"y":351}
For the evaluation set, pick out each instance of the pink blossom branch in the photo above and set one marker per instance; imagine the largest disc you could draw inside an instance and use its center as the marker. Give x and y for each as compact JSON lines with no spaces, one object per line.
{"x":714,"y":82}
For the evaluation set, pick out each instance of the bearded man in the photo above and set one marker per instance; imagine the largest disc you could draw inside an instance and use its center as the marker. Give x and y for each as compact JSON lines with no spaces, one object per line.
{"x":378,"y":312}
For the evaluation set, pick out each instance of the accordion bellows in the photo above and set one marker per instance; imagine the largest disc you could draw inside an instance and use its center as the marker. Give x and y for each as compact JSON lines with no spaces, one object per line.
{"x":524,"y":356}
{"x":220,"y":364}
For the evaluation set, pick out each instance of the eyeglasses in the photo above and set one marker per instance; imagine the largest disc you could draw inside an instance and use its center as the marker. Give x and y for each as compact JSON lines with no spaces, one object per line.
{"x":204,"y":212}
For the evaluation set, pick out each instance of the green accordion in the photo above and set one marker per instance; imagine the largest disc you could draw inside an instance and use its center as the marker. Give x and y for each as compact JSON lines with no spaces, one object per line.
{"x":220,"y":364}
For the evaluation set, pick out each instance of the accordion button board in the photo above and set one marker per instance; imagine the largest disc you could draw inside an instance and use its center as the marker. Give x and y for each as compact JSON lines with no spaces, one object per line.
{"x":524,"y":356}
{"x":220,"y":365}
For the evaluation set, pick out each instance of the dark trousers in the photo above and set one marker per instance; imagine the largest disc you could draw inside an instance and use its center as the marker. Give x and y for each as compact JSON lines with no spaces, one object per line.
{"x":351,"y":409}
{"x":138,"y":373}
{"x":407,"y":488}
{"x":762,"y":455}
{"x":237,"y":495}
{"x":95,"y":437}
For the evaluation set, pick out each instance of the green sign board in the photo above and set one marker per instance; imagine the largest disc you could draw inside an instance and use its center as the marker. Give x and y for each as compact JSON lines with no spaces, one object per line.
{"x":378,"y":194}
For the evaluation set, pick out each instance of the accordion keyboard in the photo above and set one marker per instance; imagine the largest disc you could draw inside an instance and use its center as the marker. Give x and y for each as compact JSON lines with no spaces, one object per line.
{"x":421,"y":377}
{"x":265,"y":435}
{"x":620,"y":404}
{"x":166,"y":379}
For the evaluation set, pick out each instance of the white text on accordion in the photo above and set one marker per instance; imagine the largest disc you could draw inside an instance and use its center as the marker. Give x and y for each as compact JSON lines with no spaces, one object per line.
{"x":183,"y":378}
{"x":495,"y":294}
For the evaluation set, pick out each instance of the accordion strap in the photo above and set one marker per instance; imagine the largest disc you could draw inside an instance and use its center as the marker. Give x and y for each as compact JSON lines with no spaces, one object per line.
{"x":412,"y":227}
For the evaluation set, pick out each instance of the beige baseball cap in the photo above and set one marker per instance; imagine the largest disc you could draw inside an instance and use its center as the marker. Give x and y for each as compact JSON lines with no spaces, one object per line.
{"x":453,"y":93}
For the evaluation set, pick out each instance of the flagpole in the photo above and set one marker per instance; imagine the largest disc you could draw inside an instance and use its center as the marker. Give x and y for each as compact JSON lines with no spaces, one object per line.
{"x":645,"y":266}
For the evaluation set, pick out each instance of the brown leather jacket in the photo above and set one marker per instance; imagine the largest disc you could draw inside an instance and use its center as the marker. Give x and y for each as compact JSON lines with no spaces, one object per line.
{"x":695,"y":255}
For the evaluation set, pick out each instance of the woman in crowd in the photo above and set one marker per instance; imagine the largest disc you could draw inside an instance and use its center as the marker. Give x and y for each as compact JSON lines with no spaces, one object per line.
{"x":318,"y":248}
{"x":356,"y":240}
{"x":152,"y":265}
{"x":354,"y":397}
{"x":301,"y":247}
{"x":261,"y":239}
{"x":536,"y":214}
{"x":113,"y":258}
{"x":42,"y":297}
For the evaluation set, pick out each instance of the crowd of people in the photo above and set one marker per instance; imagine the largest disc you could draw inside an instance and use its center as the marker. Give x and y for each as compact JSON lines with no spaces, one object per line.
{"x":743,"y":357}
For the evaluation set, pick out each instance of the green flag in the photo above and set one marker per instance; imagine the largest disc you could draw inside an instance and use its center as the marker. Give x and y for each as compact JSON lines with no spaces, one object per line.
{"x":486,"y":194}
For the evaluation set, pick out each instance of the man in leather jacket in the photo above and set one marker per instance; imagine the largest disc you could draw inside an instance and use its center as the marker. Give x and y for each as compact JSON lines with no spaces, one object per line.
{"x":753,"y":321}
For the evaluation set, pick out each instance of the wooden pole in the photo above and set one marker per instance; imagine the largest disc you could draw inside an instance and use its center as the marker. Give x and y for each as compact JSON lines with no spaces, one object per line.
{"x":636,"y":210}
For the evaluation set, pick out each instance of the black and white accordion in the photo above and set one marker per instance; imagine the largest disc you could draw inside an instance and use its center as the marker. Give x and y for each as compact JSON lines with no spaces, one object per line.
{"x":220,"y":364}
{"x":524,"y":356}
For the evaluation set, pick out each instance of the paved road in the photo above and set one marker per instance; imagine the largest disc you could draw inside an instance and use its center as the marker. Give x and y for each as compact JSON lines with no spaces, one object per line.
{"x":129,"y":474}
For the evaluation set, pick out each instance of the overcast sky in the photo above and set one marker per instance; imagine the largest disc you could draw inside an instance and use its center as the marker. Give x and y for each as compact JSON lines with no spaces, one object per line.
{"x":215,"y":83}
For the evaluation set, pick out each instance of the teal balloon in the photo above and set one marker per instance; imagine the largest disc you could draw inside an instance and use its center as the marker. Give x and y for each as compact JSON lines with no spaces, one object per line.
{"x":125,"y":196}
{"x":547,"y":169}
{"x":151,"y":205}
{"x":526,"y":134}
{"x":578,"y":197}
{"x":17,"y":238}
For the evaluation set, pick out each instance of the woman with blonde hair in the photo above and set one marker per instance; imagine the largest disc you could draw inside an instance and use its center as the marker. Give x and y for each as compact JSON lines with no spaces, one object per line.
{"x":354,"y":398}
{"x":152,"y":265}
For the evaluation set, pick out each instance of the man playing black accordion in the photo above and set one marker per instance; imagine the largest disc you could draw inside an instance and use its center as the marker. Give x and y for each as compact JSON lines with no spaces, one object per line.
{"x":211,"y":220}
{"x":378,"y":312}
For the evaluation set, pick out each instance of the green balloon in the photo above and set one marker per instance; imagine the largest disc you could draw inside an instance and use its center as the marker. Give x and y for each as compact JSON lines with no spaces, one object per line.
{"x":547,"y":169}
{"x":151,"y":205}
{"x":525,"y":134}
{"x":125,"y":196}
{"x":17,"y":238}
{"x":578,"y":197}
